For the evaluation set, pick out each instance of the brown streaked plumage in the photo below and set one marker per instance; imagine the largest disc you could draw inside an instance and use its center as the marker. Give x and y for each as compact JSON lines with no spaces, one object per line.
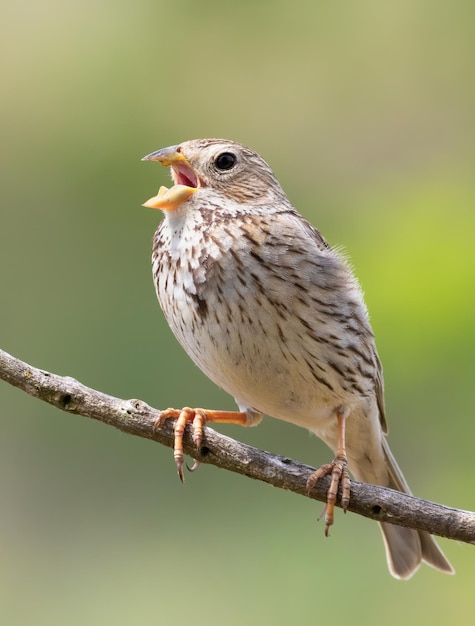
{"x":273,"y":315}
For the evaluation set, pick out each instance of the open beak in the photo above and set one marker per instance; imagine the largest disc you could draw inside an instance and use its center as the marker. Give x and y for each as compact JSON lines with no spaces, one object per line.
{"x":186,"y":182}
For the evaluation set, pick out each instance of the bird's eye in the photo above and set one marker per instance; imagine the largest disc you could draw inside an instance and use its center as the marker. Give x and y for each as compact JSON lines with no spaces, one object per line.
{"x":225,"y":161}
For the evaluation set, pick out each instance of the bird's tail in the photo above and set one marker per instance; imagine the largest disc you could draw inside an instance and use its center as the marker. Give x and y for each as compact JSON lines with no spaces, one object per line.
{"x":405,"y":547}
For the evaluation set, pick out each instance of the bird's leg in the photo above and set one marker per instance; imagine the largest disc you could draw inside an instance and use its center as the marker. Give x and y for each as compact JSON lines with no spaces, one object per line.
{"x":338,"y":470}
{"x":198,"y":418}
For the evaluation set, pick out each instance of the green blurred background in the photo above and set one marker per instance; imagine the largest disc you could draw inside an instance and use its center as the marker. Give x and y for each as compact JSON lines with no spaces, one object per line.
{"x":365,"y":112}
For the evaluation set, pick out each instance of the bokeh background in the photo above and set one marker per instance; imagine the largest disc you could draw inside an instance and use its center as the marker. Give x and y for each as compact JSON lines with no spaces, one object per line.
{"x":365,"y":112}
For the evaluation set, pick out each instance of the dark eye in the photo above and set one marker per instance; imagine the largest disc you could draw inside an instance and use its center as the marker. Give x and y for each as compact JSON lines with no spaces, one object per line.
{"x":225,"y":161}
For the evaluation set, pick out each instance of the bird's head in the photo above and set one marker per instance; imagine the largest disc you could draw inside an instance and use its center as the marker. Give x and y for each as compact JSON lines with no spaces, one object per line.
{"x":217,"y":170}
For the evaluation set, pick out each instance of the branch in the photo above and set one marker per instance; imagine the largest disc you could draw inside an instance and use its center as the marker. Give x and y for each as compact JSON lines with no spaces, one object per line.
{"x":137,"y":418}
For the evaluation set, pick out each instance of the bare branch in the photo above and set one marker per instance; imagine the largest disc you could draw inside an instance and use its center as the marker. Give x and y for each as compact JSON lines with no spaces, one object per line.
{"x":137,"y":418}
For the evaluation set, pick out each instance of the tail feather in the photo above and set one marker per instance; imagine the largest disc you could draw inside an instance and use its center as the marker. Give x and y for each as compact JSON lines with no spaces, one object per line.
{"x":403,"y":550}
{"x":405,"y":547}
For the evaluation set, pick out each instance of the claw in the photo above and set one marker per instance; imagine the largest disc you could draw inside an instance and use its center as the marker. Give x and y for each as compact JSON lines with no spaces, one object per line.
{"x":179,"y":469}
{"x":194,"y":467}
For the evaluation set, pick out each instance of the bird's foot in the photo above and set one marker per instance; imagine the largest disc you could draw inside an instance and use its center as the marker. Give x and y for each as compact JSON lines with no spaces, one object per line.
{"x":197,"y":418}
{"x":338,"y":470}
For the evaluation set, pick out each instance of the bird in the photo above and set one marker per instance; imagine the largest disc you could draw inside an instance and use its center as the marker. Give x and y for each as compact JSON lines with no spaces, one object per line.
{"x":275,"y":316}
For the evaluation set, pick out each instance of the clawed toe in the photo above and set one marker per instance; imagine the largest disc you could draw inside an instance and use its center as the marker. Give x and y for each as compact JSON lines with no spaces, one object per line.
{"x":197,"y":418}
{"x":338,"y":470}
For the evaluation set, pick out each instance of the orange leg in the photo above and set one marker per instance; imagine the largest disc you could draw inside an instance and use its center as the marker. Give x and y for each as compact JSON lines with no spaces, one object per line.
{"x":198,"y":418}
{"x":338,"y":470}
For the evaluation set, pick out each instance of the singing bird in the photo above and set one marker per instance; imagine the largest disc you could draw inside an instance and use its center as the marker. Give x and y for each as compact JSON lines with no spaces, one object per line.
{"x":274,"y":315}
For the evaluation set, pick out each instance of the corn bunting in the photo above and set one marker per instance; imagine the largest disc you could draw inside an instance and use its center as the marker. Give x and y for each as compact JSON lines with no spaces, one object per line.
{"x":273,"y":315}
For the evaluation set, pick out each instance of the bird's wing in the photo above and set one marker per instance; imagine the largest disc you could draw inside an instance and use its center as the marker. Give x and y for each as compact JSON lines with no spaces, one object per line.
{"x":379,"y":390}
{"x":314,"y":237}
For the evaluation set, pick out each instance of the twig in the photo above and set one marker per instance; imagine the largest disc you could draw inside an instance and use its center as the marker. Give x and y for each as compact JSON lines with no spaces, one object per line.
{"x":137,"y":418}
